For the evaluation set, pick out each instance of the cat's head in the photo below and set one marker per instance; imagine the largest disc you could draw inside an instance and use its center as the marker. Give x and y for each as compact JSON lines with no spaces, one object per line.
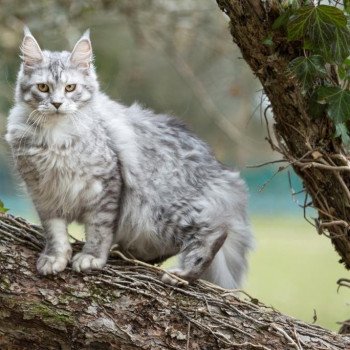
{"x":56,"y":83}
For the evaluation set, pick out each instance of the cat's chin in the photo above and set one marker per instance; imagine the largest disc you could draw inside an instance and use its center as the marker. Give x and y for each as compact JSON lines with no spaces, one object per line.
{"x":56,"y":114}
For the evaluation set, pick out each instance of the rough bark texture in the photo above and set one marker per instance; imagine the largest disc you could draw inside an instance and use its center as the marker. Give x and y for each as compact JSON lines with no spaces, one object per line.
{"x":306,"y":143}
{"x":126,"y":306}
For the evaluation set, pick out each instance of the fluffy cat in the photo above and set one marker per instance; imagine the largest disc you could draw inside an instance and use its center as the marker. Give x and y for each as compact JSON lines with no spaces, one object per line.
{"x":132,"y":177}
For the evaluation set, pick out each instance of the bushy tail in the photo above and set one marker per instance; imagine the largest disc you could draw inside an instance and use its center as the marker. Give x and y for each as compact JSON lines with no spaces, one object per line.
{"x":230,"y":262}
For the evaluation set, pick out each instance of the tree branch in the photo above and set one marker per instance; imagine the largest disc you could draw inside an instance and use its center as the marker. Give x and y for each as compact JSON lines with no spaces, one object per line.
{"x":126,"y":306}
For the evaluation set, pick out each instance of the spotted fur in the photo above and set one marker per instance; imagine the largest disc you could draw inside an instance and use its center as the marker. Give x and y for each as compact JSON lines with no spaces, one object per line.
{"x":132,"y":177}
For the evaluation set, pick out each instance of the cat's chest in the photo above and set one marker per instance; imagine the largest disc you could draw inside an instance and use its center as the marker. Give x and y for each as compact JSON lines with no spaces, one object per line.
{"x":55,"y":163}
{"x":61,"y":178}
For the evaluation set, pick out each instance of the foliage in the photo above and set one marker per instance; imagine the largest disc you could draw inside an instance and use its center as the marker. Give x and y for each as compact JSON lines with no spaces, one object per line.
{"x":338,"y":101}
{"x":306,"y":68}
{"x":324,"y":68}
{"x":2,"y":207}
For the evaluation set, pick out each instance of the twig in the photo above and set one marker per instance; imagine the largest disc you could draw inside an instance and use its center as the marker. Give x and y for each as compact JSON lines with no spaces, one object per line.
{"x":153,"y":267}
{"x":284,"y":333}
{"x":334,"y":223}
{"x":266,"y":163}
{"x":279,"y":170}
{"x":343,"y":282}
{"x":307,"y":164}
{"x":297,"y":337}
{"x":188,"y":336}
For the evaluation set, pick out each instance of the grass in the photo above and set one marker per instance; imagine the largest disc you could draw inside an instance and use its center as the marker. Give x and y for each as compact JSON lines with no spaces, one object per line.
{"x":295,"y":270}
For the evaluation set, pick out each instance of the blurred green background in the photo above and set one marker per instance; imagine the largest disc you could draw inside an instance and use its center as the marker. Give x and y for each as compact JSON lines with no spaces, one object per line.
{"x":177,"y":56}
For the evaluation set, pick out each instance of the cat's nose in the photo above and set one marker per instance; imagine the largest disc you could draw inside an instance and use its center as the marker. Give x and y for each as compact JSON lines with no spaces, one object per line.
{"x":56,"y":104}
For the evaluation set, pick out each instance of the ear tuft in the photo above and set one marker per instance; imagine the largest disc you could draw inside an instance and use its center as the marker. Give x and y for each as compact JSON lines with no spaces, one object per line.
{"x":82,"y":52}
{"x":26,"y":31}
{"x":30,"y":49}
{"x":86,"y":34}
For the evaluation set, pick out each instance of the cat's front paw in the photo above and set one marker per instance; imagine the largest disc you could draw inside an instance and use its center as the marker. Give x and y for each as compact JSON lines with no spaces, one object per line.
{"x":52,"y":264}
{"x":86,"y":262}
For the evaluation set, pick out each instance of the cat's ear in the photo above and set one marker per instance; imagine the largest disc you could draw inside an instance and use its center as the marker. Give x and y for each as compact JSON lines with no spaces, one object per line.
{"x":31,"y":53}
{"x":82,"y":52}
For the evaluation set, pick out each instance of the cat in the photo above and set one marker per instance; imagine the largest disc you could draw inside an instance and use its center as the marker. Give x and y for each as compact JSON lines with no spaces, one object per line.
{"x":132,"y":177}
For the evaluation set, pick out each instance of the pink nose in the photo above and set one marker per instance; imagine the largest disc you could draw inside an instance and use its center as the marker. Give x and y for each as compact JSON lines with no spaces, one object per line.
{"x":56,"y":104}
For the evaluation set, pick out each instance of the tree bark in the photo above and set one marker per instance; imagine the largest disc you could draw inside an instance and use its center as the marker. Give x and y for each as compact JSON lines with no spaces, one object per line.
{"x":126,"y":306}
{"x":305,"y":142}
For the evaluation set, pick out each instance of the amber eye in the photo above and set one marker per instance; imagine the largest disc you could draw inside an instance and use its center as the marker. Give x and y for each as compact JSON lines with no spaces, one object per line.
{"x":70,"y":87}
{"x":43,"y":87}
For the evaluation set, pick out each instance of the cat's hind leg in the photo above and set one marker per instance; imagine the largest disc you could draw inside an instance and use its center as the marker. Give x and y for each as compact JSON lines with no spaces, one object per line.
{"x":197,"y":253}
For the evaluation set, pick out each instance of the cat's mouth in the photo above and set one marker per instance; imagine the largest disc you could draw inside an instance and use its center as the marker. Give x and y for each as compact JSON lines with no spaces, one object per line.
{"x":55,"y":113}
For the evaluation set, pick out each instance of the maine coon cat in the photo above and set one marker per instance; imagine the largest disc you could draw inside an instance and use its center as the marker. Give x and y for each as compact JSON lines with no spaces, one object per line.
{"x":132,"y":177}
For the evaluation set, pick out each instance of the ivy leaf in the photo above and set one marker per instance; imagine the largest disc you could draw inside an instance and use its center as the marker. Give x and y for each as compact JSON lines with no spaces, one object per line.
{"x":315,"y":20}
{"x":339,"y":47}
{"x":342,"y":72}
{"x":342,"y":131}
{"x":338,"y":102}
{"x":298,"y":23}
{"x":325,"y":28}
{"x":309,"y":45}
{"x":330,"y":14}
{"x":282,"y":20}
{"x":2,"y":207}
{"x":306,"y":69}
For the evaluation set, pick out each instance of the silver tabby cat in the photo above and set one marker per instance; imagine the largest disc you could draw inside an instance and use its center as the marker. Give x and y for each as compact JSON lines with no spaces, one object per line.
{"x":132,"y":177}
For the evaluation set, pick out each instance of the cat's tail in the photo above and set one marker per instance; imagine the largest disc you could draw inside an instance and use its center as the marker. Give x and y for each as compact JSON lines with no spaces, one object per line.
{"x":230,"y":262}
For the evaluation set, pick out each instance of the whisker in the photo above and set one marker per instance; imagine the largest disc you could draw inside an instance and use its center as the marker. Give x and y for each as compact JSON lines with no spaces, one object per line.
{"x":30,"y":126}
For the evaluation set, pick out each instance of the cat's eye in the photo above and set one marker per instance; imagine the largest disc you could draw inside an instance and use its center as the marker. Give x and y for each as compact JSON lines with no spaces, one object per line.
{"x":43,"y":87}
{"x":70,"y":87}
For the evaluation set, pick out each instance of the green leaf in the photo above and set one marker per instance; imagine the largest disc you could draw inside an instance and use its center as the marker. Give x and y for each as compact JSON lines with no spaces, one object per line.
{"x":338,"y":102}
{"x":325,"y":27}
{"x":296,"y":27}
{"x":309,"y":45}
{"x":2,"y":207}
{"x":282,"y":20}
{"x":306,"y":69}
{"x":339,"y":47}
{"x":332,"y":15}
{"x":317,"y":19}
{"x":342,"y":131}
{"x":341,"y":72}
{"x":344,"y":70}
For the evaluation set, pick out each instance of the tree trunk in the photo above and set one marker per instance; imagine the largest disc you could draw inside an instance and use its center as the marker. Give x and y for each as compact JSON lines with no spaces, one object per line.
{"x":126,"y":306}
{"x":306,"y":143}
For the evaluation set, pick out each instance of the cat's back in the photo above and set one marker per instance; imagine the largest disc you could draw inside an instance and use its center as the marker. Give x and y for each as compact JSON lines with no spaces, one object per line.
{"x":166,"y":138}
{"x":173,"y":160}
{"x":160,"y":155}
